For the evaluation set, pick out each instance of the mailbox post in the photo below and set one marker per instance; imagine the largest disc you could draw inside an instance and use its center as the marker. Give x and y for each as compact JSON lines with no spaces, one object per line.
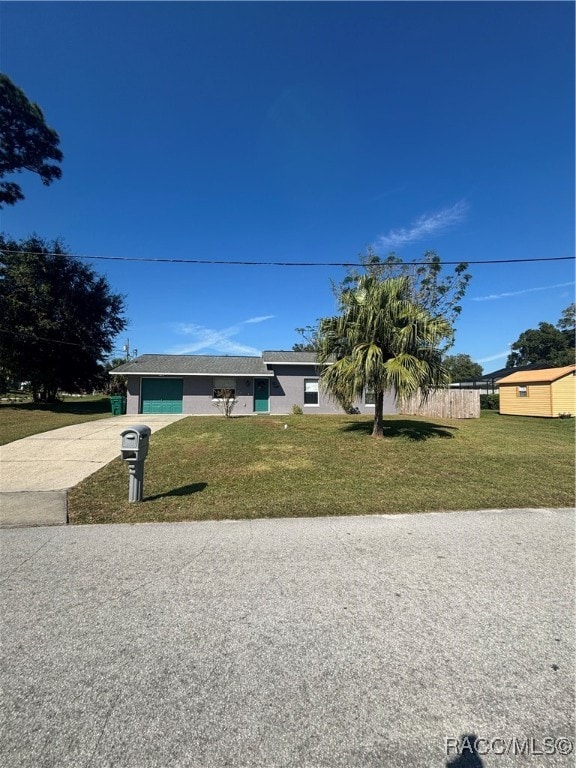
{"x":135,"y":442}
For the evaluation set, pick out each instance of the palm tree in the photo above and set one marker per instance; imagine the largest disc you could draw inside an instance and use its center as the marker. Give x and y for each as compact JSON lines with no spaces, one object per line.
{"x":382,"y":341}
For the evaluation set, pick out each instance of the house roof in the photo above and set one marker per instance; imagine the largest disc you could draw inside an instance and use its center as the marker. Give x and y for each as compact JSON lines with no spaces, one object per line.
{"x":542,"y":376}
{"x":282,"y":356}
{"x":194,"y":365}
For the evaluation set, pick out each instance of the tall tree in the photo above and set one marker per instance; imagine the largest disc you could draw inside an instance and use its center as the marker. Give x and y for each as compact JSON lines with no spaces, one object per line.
{"x":112,"y":385}
{"x":545,"y":345}
{"x":381,"y":341}
{"x":568,"y":320}
{"x":58,"y":318}
{"x":429,"y":286}
{"x":462,"y":368}
{"x":26,"y":142}
{"x":309,"y":335}
{"x":567,"y":325}
{"x":438,"y":292}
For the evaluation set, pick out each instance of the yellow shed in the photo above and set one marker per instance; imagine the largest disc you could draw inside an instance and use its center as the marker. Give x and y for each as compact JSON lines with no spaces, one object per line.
{"x":545,"y":392}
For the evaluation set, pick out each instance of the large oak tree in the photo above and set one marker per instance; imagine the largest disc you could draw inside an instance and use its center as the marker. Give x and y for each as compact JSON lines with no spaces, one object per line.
{"x":548,"y":345}
{"x":26,"y":142}
{"x":58,"y":318}
{"x":462,"y":368}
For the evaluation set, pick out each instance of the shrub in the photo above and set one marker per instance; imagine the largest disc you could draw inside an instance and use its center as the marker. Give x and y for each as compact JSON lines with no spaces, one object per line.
{"x":225,"y":401}
{"x":490,"y":402}
{"x":296,"y":410}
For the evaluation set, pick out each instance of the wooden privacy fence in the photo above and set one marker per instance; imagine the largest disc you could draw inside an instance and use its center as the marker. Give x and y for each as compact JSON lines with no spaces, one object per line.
{"x":444,"y":404}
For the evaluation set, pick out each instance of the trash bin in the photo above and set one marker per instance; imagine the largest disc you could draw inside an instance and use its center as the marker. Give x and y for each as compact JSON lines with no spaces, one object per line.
{"x":118,"y":405}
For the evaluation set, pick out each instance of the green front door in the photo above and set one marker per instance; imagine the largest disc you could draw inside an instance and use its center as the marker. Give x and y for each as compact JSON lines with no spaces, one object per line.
{"x":261,"y":395}
{"x":161,"y":396}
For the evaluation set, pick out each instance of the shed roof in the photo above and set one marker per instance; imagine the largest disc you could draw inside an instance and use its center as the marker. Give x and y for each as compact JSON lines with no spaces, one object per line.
{"x":194,"y":365}
{"x":542,"y":376}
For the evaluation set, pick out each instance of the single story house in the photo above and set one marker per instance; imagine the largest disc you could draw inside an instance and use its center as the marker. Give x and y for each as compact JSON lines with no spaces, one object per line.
{"x":272,"y":383}
{"x":546,"y":392}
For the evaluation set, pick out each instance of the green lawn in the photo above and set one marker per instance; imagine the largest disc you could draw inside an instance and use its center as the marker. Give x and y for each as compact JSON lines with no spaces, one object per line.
{"x":247,"y":467}
{"x":25,"y":419}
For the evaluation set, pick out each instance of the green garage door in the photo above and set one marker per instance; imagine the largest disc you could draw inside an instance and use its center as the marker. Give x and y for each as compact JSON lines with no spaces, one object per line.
{"x":161,"y":396}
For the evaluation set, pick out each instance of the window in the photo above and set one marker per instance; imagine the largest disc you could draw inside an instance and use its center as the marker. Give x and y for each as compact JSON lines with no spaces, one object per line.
{"x":223,"y":385}
{"x":310,"y":391}
{"x":369,"y":397}
{"x":522,"y":391}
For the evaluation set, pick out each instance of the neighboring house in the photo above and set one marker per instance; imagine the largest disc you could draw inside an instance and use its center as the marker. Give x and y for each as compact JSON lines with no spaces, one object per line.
{"x":546,"y":392}
{"x":487,"y":383}
{"x":272,"y":383}
{"x":484,"y":387}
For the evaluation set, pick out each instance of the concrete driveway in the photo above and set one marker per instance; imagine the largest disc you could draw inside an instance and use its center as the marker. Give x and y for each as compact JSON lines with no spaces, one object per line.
{"x":369,"y":642}
{"x":35,"y":472}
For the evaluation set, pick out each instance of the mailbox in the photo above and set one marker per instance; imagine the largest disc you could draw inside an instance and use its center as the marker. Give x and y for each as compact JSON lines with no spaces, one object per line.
{"x":134,"y":449}
{"x":135,"y":442}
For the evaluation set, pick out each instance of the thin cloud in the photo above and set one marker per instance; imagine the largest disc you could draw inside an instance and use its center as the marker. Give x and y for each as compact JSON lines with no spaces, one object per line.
{"x":219,"y":345}
{"x":259,"y":319}
{"x":424,"y":226}
{"x":507,"y":294}
{"x":215,"y":340}
{"x":493,"y":357}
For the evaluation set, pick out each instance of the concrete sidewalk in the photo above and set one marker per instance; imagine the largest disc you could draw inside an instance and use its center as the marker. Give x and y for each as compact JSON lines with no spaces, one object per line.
{"x":36,"y":472}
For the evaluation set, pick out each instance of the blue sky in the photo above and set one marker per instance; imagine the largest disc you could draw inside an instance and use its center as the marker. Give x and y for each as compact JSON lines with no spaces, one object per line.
{"x":302,"y":132}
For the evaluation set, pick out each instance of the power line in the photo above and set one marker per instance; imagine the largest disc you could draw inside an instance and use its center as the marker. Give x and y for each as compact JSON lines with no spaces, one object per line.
{"x":84,"y":346}
{"x":228,"y":262}
{"x":33,"y":336}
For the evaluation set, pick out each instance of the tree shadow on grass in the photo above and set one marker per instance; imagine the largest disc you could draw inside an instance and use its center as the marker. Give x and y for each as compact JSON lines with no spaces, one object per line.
{"x":184,"y":490}
{"x":412,"y":430}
